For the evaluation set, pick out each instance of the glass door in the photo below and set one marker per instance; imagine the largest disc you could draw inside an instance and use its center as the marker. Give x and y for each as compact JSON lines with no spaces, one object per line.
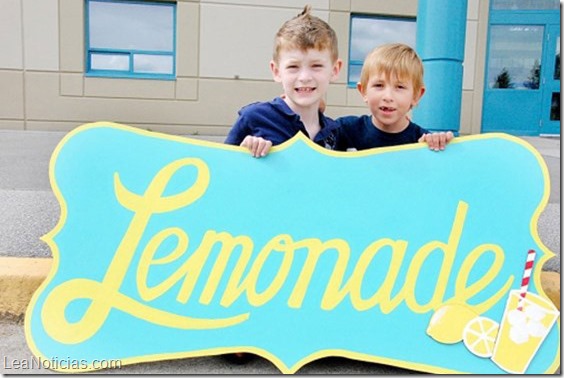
{"x":550,"y":108}
{"x":522,"y":78}
{"x":512,"y":97}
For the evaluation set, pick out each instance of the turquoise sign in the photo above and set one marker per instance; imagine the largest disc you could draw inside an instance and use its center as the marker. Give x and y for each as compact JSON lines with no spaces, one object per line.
{"x":169,"y":247}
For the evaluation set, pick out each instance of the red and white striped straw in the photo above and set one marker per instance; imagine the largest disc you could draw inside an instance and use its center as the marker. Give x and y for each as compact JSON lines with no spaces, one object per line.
{"x":526,"y":277}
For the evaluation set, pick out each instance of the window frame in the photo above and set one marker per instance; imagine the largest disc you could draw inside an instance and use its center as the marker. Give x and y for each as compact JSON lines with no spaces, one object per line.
{"x":130,"y":53}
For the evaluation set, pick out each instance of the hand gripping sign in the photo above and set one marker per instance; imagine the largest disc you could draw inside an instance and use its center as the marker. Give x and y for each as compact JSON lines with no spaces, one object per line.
{"x":169,"y":247}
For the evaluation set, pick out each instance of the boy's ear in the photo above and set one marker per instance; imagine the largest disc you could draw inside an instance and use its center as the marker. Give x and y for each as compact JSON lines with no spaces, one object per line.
{"x":275,"y":71}
{"x":336,"y":69}
{"x":418,"y":96}
{"x":360,"y":90}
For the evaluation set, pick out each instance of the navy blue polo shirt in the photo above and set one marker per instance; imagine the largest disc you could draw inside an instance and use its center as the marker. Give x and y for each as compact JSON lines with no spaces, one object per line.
{"x":276,"y":122}
{"x":361,"y":133}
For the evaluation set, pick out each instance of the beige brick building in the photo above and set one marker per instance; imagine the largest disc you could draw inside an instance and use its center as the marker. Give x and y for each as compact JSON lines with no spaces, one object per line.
{"x":222,"y":47}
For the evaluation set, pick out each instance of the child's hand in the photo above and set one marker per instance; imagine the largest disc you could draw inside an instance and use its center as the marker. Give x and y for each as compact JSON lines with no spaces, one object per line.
{"x":437,"y":141}
{"x":258,"y":146}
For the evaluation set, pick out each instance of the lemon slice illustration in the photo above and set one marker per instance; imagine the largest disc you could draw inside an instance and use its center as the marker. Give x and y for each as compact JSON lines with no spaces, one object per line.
{"x":447,"y":323}
{"x":479,"y":336}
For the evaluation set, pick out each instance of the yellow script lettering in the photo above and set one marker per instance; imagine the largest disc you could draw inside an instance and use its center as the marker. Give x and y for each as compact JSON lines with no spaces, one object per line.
{"x":105,"y":295}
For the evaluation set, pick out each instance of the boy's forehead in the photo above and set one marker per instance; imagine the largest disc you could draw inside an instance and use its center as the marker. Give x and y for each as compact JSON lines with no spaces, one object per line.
{"x":391,"y":74}
{"x":289,"y":52}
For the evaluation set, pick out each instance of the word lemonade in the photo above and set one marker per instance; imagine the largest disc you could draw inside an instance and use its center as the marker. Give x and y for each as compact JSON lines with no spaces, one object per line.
{"x":243,"y":278}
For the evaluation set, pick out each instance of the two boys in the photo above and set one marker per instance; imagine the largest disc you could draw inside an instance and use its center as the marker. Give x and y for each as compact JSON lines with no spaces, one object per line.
{"x":305,"y":61}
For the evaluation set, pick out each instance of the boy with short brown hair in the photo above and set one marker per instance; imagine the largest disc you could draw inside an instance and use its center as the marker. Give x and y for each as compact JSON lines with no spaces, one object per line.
{"x":305,"y":60}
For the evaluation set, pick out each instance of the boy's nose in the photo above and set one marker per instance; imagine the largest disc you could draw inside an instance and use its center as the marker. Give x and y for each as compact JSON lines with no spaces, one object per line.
{"x":387,"y":94}
{"x":305,"y":75}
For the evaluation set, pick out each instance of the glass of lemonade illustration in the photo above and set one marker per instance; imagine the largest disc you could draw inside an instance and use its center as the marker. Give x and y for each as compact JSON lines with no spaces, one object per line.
{"x":523,"y":329}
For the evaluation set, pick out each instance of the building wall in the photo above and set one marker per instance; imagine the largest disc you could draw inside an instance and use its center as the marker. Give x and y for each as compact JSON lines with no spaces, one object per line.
{"x":223,"y":53}
{"x":474,"y":66}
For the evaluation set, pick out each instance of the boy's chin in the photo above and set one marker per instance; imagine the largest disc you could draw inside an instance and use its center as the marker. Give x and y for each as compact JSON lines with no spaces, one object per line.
{"x":303,"y":102}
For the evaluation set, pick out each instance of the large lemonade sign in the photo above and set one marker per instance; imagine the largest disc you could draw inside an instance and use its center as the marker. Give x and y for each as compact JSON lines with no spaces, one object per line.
{"x":169,"y":247}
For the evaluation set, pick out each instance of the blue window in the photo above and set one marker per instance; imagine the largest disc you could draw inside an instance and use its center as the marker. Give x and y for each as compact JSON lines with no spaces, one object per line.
{"x":130,"y":39}
{"x":369,"y":32}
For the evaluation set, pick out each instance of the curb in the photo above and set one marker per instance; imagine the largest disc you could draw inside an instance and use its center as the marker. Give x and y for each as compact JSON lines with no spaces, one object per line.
{"x":20,"y":277}
{"x":550,"y":282}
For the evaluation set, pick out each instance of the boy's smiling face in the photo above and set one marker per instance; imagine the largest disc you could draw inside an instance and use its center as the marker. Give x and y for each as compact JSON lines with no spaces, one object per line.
{"x":305,"y":76}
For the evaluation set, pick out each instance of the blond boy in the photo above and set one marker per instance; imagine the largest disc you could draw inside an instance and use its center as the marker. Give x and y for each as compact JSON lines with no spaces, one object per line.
{"x":391,"y":84}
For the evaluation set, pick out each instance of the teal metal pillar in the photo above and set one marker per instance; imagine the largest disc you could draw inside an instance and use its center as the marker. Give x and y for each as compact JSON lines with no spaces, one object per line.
{"x":441,"y":35}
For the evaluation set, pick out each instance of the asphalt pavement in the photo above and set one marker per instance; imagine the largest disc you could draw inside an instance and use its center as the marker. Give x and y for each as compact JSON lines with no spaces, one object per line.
{"x":29,"y":210}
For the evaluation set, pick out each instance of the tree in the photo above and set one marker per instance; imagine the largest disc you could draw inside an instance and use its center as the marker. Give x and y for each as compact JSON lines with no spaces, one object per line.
{"x":533,"y":81}
{"x":503,"y":80}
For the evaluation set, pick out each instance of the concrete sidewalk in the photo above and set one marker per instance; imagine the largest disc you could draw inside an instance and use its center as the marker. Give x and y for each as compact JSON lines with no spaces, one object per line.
{"x":30,"y":210}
